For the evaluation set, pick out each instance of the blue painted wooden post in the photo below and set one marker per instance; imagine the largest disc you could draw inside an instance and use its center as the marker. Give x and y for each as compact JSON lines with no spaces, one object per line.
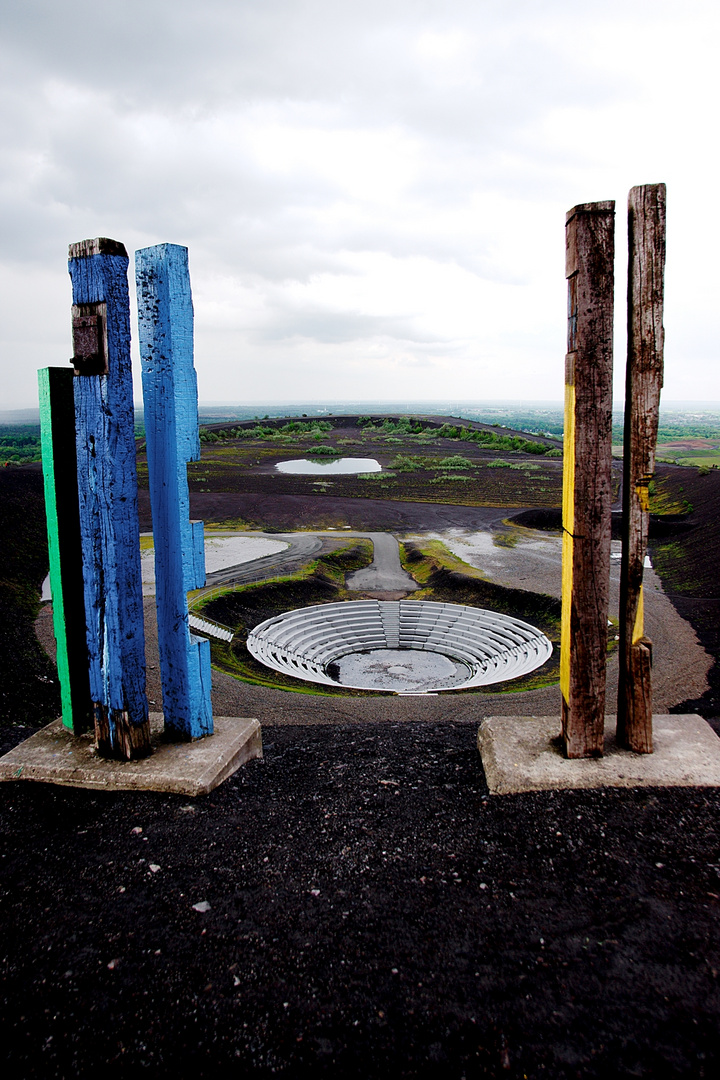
{"x":165,"y":315}
{"x":107,"y":486}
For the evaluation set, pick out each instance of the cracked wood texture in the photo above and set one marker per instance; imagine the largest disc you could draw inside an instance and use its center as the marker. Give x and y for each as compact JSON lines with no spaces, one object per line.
{"x":107,"y":489}
{"x":644,"y":379}
{"x":165,"y":320}
{"x":587,"y":488}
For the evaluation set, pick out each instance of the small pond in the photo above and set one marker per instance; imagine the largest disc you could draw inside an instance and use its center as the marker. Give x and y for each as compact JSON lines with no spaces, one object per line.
{"x":334,"y":467}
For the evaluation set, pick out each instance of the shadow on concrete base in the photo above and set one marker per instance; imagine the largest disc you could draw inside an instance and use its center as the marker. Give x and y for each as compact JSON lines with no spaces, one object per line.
{"x":54,"y":756}
{"x":522,"y":753}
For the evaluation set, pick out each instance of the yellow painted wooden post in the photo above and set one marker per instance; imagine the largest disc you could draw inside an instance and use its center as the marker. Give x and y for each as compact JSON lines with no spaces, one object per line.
{"x":587,"y":489}
{"x":644,"y":378}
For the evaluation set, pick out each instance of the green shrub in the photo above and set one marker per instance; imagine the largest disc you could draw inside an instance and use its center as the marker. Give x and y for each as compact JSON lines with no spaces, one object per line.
{"x":457,"y":461}
{"x":257,"y":432}
{"x":323,"y":451}
{"x":446,"y":479}
{"x":407,"y":463}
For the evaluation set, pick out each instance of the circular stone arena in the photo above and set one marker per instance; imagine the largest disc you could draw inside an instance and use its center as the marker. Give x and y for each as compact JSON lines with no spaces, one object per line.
{"x":405,"y":646}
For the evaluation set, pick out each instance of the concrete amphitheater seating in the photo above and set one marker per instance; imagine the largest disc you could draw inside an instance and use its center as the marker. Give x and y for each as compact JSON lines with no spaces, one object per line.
{"x":303,"y":643}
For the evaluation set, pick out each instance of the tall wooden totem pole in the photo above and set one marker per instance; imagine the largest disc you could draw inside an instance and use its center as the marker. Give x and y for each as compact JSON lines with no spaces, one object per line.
{"x":587,"y":490}
{"x":88,"y":439}
{"x":587,"y":485}
{"x":107,"y":491}
{"x":644,"y":379}
{"x":165,"y":315}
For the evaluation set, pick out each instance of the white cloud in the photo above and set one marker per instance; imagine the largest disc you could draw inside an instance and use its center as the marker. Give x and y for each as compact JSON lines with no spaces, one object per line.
{"x":373,"y":194}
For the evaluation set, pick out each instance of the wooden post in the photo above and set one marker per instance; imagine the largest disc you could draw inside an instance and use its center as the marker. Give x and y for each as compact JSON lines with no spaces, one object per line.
{"x":165,"y":318}
{"x":107,"y":487}
{"x":57,"y":432}
{"x":644,"y":378}
{"x":587,"y":492}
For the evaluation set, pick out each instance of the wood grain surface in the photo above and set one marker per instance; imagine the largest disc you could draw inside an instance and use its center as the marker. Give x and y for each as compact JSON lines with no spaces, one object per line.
{"x":107,"y":487}
{"x":644,"y":379}
{"x":165,"y":318}
{"x":587,"y":488}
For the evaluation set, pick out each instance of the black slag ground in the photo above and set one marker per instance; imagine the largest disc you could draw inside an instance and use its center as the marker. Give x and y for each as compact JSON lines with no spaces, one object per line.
{"x":372,"y":913}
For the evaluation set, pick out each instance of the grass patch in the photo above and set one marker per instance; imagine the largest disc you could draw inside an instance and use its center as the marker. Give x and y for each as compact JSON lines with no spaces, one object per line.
{"x":408,"y":463}
{"x":231,"y":525}
{"x":663,"y":500}
{"x":670,"y":562}
{"x":457,"y":461}
{"x":422,"y":561}
{"x":505,"y":539}
{"x":446,"y":479}
{"x":323,"y":451}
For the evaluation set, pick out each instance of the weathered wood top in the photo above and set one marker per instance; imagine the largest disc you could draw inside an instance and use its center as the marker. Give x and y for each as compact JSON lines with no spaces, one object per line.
{"x":101,"y":245}
{"x":590,"y":208}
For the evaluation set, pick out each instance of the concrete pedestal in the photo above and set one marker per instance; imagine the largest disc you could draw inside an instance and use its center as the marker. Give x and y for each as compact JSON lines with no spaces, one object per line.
{"x":522,"y":753}
{"x":54,"y":755}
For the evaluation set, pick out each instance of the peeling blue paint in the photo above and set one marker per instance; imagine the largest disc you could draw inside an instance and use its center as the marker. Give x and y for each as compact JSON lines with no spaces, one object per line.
{"x":107,"y":489}
{"x":165,"y":318}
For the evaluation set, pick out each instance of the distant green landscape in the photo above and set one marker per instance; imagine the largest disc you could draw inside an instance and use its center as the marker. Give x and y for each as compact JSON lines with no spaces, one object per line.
{"x":684,"y":438}
{"x":19,"y":443}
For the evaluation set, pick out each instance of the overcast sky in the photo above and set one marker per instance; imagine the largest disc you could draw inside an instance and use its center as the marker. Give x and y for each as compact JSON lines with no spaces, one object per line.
{"x":373,"y":193}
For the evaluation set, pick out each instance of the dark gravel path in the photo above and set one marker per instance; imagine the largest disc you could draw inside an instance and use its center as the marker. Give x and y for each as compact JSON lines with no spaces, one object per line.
{"x":372,"y":913}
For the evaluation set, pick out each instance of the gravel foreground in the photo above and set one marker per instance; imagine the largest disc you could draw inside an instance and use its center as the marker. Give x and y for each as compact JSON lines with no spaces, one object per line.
{"x":355,"y":905}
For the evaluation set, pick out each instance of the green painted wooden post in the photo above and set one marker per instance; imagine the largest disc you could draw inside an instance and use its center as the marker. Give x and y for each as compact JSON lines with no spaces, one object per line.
{"x":57,"y":427}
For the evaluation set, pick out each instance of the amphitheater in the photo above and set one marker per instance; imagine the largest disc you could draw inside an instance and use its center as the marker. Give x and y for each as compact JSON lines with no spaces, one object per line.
{"x":405,"y":646}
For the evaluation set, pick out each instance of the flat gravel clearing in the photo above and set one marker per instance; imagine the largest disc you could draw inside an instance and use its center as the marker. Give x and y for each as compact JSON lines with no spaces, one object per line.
{"x":221,"y":552}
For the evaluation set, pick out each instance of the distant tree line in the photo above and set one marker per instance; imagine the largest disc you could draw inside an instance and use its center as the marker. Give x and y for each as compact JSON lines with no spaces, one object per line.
{"x":405,"y":425}
{"x":19,"y":444}
{"x":260,"y":431}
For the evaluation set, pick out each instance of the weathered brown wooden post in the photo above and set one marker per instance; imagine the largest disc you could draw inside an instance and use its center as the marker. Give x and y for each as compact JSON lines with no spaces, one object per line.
{"x":644,"y":378}
{"x":587,"y":490}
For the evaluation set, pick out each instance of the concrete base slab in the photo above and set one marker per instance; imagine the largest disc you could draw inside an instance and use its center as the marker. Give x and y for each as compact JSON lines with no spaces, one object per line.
{"x":522,"y":753}
{"x":54,"y":756}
